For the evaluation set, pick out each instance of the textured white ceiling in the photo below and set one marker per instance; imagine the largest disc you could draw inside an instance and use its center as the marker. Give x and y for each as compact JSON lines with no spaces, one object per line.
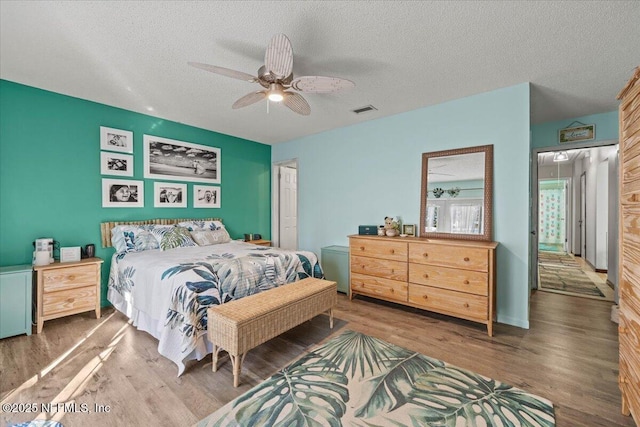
{"x":402,"y":55}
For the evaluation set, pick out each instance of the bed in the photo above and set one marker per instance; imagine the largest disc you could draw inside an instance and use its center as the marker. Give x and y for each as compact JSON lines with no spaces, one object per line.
{"x":166,"y":291}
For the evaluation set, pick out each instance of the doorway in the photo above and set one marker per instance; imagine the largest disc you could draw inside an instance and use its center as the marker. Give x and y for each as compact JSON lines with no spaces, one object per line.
{"x":285,"y":205}
{"x":572,"y":239}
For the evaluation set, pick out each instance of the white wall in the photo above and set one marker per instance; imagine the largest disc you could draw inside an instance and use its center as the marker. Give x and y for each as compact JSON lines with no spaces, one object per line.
{"x":361,"y":173}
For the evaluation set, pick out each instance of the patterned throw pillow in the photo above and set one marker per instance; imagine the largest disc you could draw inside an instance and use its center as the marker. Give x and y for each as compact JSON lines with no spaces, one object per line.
{"x":123,"y":237}
{"x":177,"y":237}
{"x":201,"y":225}
{"x":145,"y":241}
{"x":210,"y":237}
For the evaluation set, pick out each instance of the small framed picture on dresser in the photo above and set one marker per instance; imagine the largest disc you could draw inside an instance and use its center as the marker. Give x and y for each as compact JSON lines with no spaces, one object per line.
{"x":409,"y":229}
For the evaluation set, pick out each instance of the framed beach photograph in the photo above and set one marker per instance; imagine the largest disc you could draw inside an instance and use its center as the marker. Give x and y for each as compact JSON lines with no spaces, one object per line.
{"x":122,"y":193}
{"x":183,"y":161}
{"x":409,"y":229}
{"x":169,"y":195}
{"x":116,"y":164}
{"x":116,"y":140}
{"x":206,"y":196}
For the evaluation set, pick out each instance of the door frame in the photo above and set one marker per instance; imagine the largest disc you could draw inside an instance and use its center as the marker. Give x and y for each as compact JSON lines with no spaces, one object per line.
{"x":533,"y":200}
{"x":275,"y":197}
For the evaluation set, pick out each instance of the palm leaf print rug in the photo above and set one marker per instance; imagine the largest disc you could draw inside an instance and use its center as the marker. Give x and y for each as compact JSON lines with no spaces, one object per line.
{"x":357,"y":380}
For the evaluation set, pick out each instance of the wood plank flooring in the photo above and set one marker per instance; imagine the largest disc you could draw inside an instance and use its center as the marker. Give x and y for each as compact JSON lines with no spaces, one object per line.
{"x":570,"y":356}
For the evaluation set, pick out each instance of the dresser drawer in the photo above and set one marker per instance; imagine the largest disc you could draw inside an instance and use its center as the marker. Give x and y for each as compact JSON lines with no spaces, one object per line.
{"x":444,"y":301}
{"x":69,"y":277}
{"x":629,"y":337}
{"x":376,"y":287}
{"x":69,"y":301}
{"x":395,"y":270}
{"x":472,"y":282}
{"x":385,"y":249}
{"x":449,"y":256}
{"x":629,"y":382}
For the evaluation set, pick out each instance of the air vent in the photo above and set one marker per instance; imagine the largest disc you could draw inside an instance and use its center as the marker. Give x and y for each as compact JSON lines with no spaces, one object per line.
{"x":365,"y":109}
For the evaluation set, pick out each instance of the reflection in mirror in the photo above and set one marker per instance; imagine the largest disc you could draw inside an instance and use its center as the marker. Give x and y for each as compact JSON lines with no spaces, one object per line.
{"x":456,"y":193}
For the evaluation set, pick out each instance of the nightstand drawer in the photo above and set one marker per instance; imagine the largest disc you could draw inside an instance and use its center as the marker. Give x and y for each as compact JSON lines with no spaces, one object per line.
{"x":69,"y":277}
{"x":69,"y":301}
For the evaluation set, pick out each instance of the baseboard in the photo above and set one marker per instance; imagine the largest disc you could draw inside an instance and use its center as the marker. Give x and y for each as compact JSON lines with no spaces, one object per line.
{"x":520,"y":323}
{"x":610,"y":284}
{"x":600,"y":270}
{"x":578,"y":255}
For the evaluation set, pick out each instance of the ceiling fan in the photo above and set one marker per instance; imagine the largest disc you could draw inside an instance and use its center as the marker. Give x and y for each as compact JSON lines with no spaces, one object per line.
{"x":276,"y":77}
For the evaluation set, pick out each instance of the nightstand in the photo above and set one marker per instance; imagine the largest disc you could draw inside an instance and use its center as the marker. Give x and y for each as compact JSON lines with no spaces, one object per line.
{"x":15,"y":300}
{"x":260,"y":242}
{"x":67,"y":288}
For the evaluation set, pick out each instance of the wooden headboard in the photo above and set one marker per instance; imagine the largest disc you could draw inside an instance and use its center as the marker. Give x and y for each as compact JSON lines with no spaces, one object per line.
{"x":106,"y":227}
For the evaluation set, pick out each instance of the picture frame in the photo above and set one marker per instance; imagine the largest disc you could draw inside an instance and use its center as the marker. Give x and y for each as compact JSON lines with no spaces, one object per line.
{"x":116,"y":140}
{"x":169,"y":195}
{"x":577,"y":133}
{"x":170,"y":159}
{"x":115,"y":195}
{"x":116,"y":164}
{"x":206,"y":196}
{"x":409,"y":229}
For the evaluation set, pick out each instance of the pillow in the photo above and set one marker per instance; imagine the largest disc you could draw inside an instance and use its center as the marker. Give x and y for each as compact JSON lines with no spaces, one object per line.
{"x":145,"y":241}
{"x":210,"y":237}
{"x":123,"y":237}
{"x":159,"y":231}
{"x":201,"y":225}
{"x":177,"y":237}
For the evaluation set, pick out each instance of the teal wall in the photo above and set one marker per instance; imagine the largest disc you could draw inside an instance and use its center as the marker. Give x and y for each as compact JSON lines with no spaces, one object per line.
{"x":359,"y":174}
{"x":50,"y":182}
{"x":546,"y":134}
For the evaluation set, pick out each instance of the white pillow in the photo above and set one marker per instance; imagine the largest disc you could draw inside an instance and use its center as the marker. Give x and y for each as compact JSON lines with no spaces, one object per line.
{"x":210,"y":237}
{"x":123,"y":237}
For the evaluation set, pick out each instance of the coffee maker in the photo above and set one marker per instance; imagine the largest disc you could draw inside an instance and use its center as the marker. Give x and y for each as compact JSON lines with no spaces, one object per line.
{"x":44,"y":244}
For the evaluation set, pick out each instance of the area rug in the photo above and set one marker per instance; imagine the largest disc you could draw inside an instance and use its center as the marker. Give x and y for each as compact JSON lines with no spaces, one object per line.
{"x":357,"y":380}
{"x":561,"y":272}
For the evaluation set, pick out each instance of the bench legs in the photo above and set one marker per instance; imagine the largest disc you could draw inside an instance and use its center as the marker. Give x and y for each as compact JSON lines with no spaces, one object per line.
{"x":236,"y":362}
{"x":331,"y":318}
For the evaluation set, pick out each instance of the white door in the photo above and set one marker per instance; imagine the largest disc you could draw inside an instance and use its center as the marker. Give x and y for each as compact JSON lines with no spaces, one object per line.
{"x":288,"y":208}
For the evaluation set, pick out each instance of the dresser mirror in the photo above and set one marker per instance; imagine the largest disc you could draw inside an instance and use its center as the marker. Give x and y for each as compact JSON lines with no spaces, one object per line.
{"x":457,"y":194}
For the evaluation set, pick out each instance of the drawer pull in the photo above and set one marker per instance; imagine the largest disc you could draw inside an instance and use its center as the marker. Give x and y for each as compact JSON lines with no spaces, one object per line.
{"x":426,"y":276}
{"x":466,"y":282}
{"x":393,"y":251}
{"x":72,"y":277}
{"x":425,"y":296}
{"x":466,"y":259}
{"x":425,"y":254}
{"x":362,"y":248}
{"x":70,"y":300}
{"x":466,"y":305}
{"x":392,"y":271}
{"x":391,"y":290}
{"x":363,"y":267}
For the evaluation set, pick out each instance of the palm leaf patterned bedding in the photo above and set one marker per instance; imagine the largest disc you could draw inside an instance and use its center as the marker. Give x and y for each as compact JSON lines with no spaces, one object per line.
{"x":167,"y":293}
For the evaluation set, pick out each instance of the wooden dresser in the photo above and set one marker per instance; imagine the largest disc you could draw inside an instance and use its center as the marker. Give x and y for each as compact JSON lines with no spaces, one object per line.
{"x":629,"y":249}
{"x":452,"y":277}
{"x":67,"y":288}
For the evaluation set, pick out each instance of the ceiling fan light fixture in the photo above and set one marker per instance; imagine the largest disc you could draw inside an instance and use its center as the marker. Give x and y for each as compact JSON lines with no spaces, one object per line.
{"x":275,"y":93}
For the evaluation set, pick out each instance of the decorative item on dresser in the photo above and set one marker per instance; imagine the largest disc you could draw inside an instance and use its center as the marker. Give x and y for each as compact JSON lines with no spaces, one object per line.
{"x":451,"y":277}
{"x":67,"y":288}
{"x":15,"y":300}
{"x":629,"y":252}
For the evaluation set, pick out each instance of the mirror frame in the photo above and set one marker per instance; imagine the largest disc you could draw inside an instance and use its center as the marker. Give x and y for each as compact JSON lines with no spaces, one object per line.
{"x":488,"y":194}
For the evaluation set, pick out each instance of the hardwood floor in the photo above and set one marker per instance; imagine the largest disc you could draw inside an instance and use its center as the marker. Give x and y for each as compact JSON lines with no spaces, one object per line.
{"x":570,"y":356}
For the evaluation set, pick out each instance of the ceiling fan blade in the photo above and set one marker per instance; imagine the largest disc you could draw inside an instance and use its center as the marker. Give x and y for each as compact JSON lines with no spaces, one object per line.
{"x":278,"y":60}
{"x":248,"y":99}
{"x":296,"y":103}
{"x":320,"y":84}
{"x":224,"y":71}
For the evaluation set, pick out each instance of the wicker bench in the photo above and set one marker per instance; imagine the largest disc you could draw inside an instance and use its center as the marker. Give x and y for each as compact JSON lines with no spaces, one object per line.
{"x":240,"y":325}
